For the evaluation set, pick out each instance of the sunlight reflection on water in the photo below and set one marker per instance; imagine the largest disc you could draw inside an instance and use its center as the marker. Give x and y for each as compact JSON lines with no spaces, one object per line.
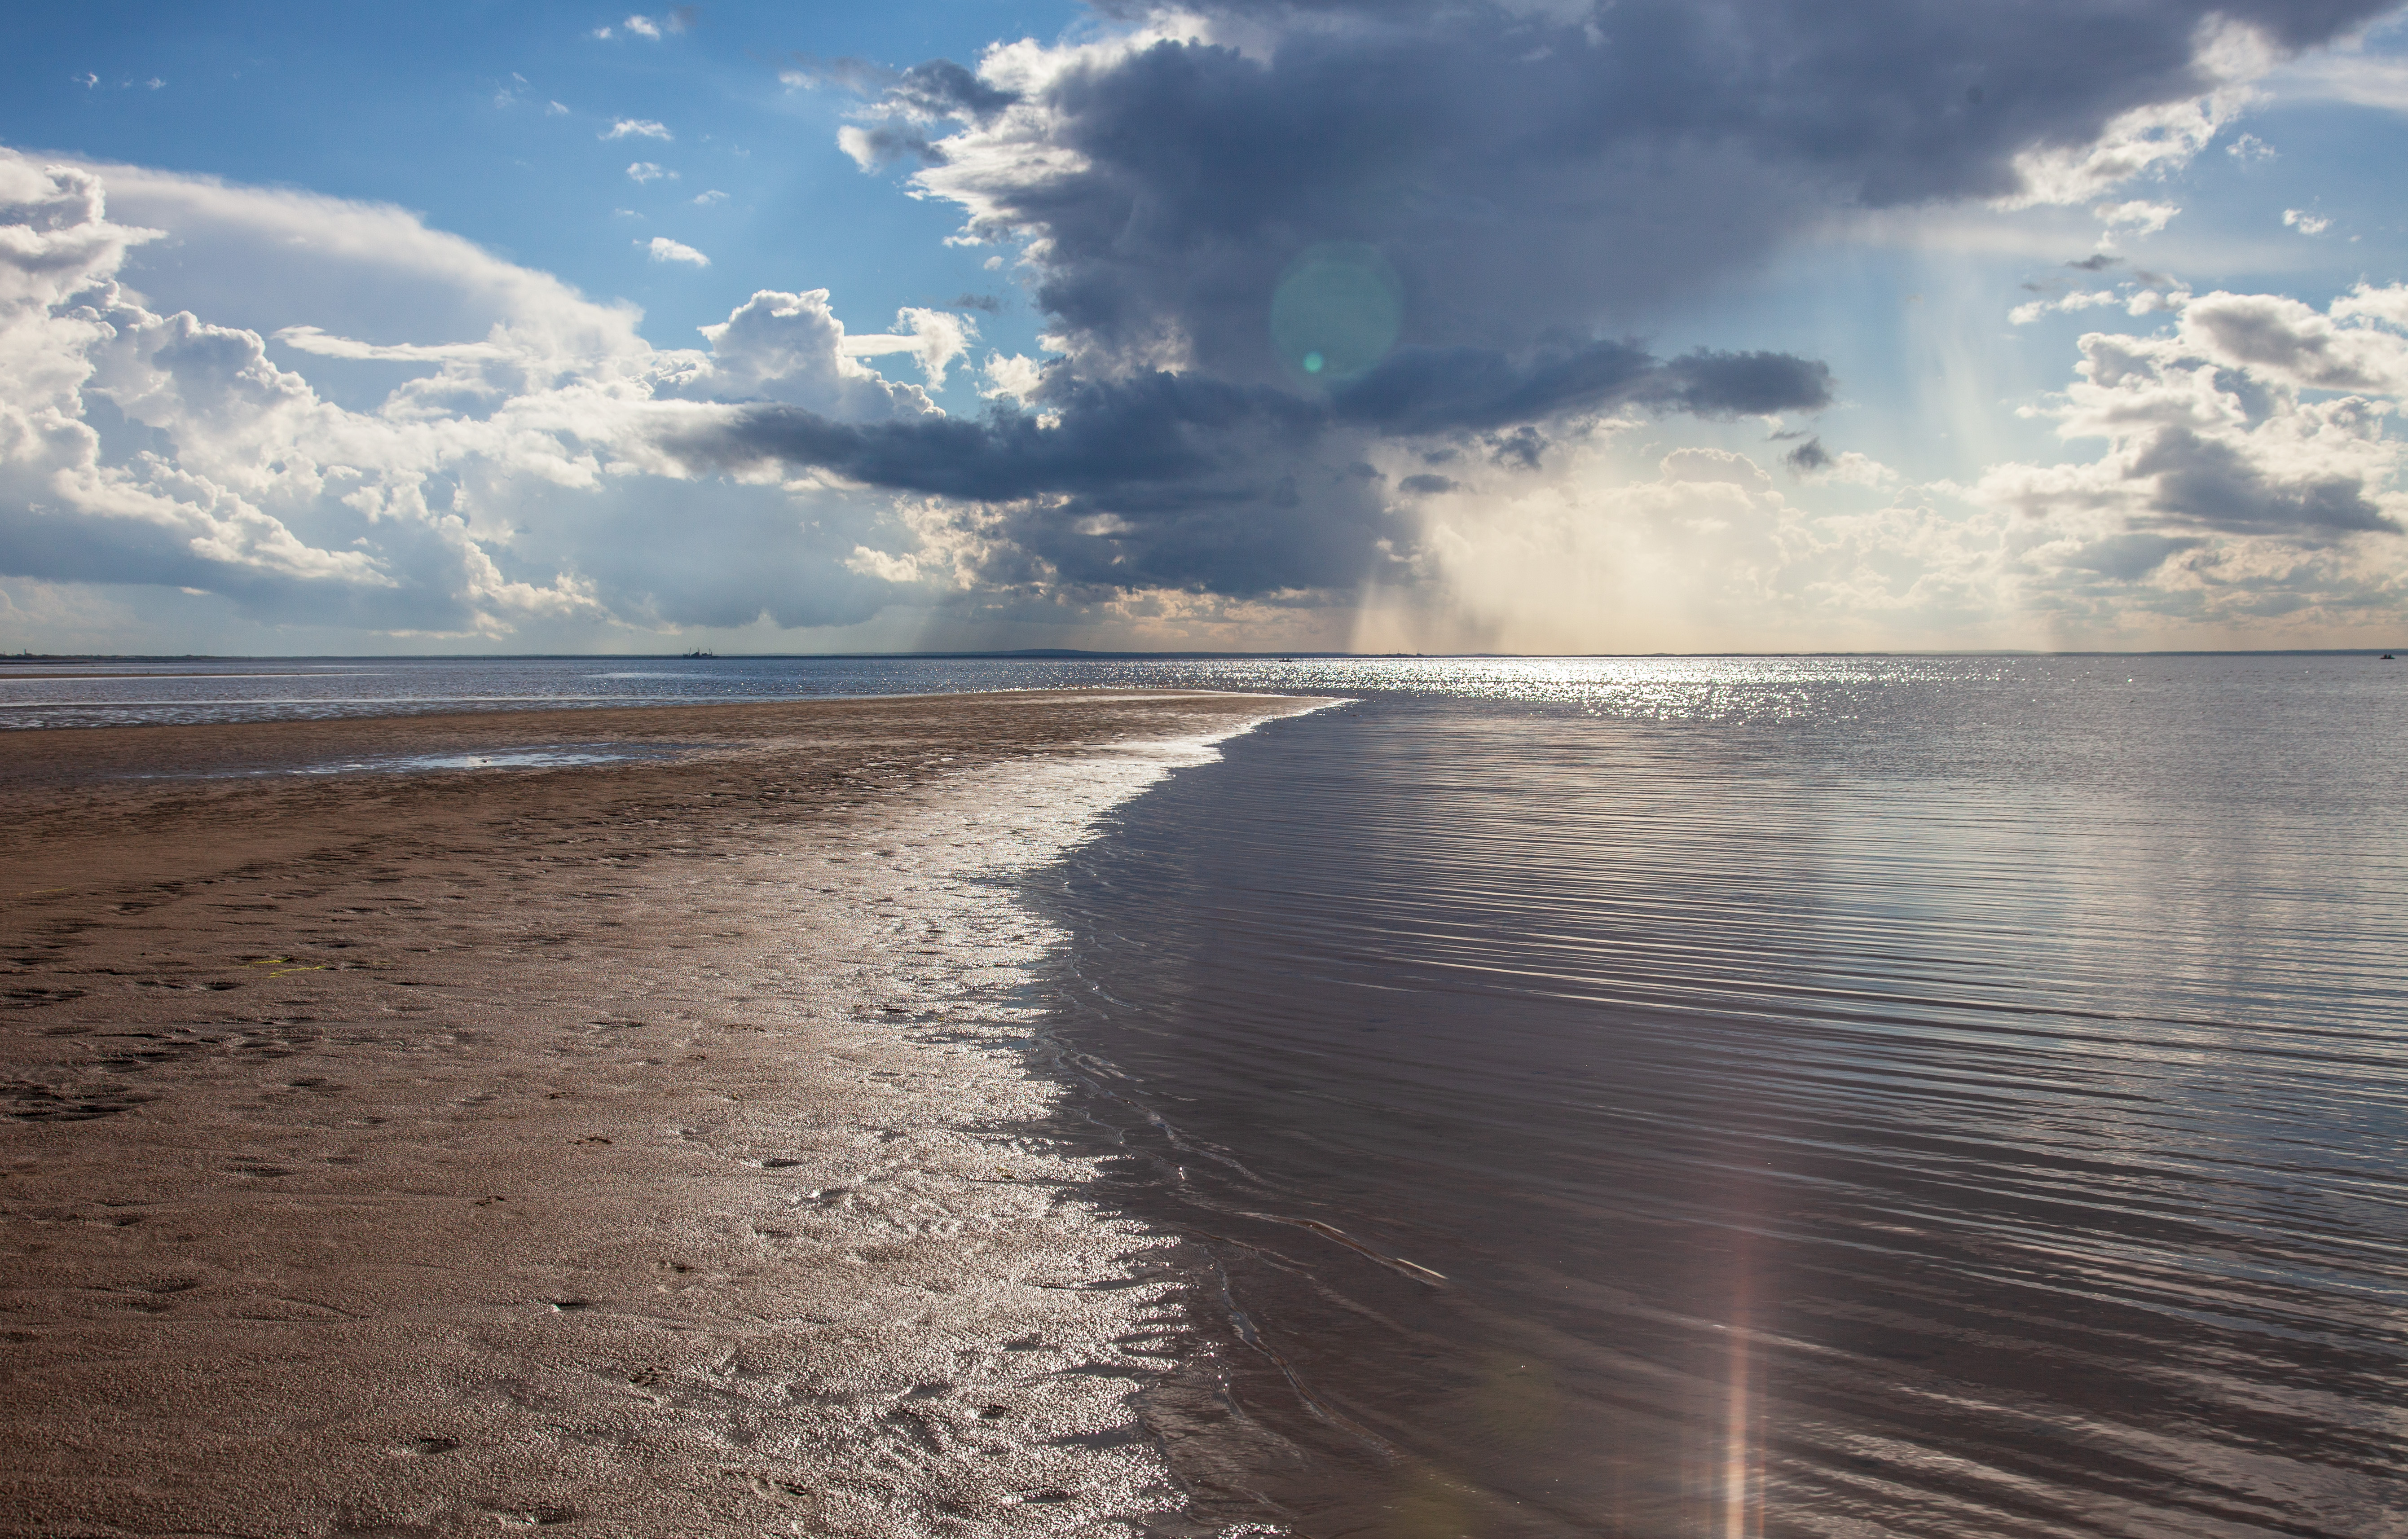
{"x":1862,"y":1097}
{"x":1825,"y":694}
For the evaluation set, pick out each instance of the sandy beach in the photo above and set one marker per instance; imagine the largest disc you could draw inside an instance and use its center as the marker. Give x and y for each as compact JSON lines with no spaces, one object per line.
{"x":609,"y":1120}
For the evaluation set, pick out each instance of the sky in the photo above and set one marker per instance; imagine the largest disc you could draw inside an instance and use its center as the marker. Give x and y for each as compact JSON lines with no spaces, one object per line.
{"x":1423,"y":325}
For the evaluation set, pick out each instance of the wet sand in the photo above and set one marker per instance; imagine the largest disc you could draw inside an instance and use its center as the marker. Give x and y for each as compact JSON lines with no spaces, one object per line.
{"x":632,"y":1147}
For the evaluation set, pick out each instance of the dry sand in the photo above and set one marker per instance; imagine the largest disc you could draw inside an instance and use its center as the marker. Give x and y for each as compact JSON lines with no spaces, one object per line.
{"x":627,"y":1149}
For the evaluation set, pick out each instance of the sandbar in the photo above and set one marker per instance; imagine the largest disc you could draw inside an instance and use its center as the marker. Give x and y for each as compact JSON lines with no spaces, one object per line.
{"x":606,"y":1120}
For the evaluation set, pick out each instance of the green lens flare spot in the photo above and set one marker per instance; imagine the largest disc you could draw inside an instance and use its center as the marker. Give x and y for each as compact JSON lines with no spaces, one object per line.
{"x":1337,"y":311}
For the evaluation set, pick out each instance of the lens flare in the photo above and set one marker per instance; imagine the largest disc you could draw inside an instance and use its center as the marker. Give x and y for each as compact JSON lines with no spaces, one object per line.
{"x":1337,"y":310}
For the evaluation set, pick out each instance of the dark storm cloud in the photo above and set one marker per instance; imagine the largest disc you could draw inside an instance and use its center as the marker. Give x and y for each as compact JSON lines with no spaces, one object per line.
{"x":2128,"y":558}
{"x":1530,"y":181}
{"x":1113,"y":440}
{"x":2206,"y":484}
{"x":1184,"y":480}
{"x":944,"y":89}
{"x":887,"y":143}
{"x":1439,"y":390}
{"x":2293,"y":24}
{"x":1109,"y":437}
{"x":1527,"y":176}
{"x":1807,"y":458}
{"x":937,"y":91}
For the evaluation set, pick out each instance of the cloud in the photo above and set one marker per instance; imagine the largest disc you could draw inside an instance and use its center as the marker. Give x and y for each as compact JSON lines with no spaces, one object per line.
{"x":2222,"y":482}
{"x":873,"y":148}
{"x":2278,"y":339}
{"x":1523,"y":178}
{"x":309,"y":339}
{"x":703,"y":200}
{"x":2218,"y":483}
{"x":268,"y":259}
{"x":2024,"y":315}
{"x":637,"y":128}
{"x":495,"y":474}
{"x":1808,"y":458}
{"x":791,"y":349}
{"x":1719,"y":466}
{"x":2359,"y":78}
{"x":679,"y":18}
{"x":665,"y":249}
{"x":2305,"y":222}
{"x":1613,"y":550}
{"x":2138,"y":217}
{"x":1441,"y":390}
{"x":2235,"y":502}
{"x":2226,"y":515}
{"x":2368,"y":305}
{"x":936,"y":91}
{"x":1329,"y":294}
{"x":1184,"y":481}
{"x":1491,"y":197}
{"x":1020,"y":378}
{"x":2128,"y":557}
{"x":932,"y":336}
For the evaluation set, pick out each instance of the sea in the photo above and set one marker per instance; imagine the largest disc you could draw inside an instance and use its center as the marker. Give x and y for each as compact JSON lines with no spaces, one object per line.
{"x":1733,"y":1097}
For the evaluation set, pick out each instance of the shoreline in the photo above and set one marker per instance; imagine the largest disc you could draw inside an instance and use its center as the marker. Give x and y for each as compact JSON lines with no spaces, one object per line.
{"x":634,"y":1146}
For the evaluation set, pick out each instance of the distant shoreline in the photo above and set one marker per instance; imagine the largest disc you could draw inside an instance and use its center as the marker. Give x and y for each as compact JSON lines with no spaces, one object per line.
{"x":1040,"y":654}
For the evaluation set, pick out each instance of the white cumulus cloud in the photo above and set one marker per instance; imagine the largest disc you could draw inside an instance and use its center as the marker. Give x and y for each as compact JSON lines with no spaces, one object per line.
{"x":2138,"y":217}
{"x":1015,"y":376}
{"x":935,"y":337}
{"x":2024,"y":315}
{"x":665,"y":249}
{"x":642,"y":128}
{"x":2248,"y":474}
{"x":496,"y":471}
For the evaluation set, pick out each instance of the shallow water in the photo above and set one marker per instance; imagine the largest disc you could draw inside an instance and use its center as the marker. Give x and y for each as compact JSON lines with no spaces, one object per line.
{"x":1834,"y":1097}
{"x":561,"y":757}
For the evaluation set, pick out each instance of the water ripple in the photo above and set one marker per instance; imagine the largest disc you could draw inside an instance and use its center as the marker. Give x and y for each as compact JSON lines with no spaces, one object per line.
{"x":1831,"y":1114}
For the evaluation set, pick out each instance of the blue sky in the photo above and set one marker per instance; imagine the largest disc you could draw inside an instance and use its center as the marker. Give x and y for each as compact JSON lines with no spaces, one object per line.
{"x":1749,"y":326}
{"x":447,"y":109}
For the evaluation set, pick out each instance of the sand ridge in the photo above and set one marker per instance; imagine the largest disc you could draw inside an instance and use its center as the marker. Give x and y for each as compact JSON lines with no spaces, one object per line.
{"x":622,"y":1148}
